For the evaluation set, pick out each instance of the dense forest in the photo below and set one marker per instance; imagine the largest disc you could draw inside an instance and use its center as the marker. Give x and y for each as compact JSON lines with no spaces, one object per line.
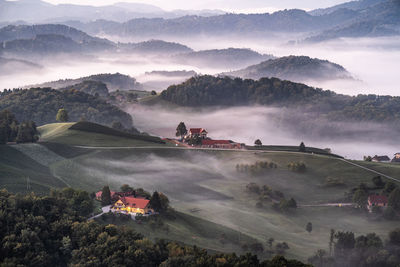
{"x":13,"y":131}
{"x":41,"y":105}
{"x":202,"y":91}
{"x":294,"y":68}
{"x":53,"y":231}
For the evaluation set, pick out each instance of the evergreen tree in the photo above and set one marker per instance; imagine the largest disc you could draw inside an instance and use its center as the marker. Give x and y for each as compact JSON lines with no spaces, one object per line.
{"x":258,"y":142}
{"x":62,"y":115}
{"x":309,"y":227}
{"x":155,"y":202}
{"x":106,"y":196}
{"x":3,"y":135}
{"x":394,"y":199}
{"x":181,"y":130}
{"x":302,"y":147}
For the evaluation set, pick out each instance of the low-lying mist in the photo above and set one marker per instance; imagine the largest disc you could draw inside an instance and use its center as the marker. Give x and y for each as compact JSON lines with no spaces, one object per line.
{"x":374,"y":63}
{"x":274,"y":126}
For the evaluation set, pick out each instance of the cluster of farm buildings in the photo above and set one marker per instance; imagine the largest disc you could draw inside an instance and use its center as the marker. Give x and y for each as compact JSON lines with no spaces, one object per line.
{"x":379,"y":201}
{"x":386,"y":158}
{"x":207,"y":142}
{"x":128,"y":203}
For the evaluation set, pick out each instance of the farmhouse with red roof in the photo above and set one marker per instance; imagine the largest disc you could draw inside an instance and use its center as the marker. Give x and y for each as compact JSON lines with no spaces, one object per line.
{"x":132,"y":205}
{"x":226,"y":144}
{"x":197,"y":132}
{"x":377,"y":201}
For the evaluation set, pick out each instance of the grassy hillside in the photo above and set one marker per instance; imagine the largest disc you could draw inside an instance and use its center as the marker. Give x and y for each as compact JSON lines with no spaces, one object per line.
{"x":206,"y":185}
{"x":203,"y":186}
{"x":91,"y":134}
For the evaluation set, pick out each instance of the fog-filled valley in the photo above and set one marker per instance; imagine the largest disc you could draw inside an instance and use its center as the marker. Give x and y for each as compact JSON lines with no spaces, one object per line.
{"x":132,"y":135}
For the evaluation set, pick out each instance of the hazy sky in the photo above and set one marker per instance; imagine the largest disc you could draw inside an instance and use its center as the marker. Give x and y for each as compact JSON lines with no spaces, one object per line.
{"x":228,"y":5}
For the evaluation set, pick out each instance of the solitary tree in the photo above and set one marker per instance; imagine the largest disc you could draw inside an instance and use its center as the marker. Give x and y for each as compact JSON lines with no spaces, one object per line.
{"x":126,"y":188}
{"x":155,"y":202}
{"x":106,"y":196}
{"x":62,"y":115}
{"x":181,"y":130}
{"x":302,"y":147}
{"x":360,"y":197}
{"x":258,"y":142}
{"x":153,"y":92}
{"x":394,"y":199}
{"x":309,"y":227}
{"x":270,"y":242}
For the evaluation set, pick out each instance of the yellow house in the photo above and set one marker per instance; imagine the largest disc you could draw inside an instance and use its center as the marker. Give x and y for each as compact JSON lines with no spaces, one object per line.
{"x":132,"y":205}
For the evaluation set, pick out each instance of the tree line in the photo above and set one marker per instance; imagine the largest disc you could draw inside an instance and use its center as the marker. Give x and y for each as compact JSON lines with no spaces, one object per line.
{"x":207,"y":90}
{"x":13,"y":131}
{"x":52,"y":230}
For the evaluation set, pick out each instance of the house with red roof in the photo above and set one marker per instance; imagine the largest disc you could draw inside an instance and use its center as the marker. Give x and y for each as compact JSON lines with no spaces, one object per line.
{"x":132,"y":205}
{"x":377,"y":201}
{"x":225,"y":144}
{"x":197,"y":132}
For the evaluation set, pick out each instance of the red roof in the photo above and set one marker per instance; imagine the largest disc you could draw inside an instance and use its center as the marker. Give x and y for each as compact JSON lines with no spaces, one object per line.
{"x":215,"y":142}
{"x":195,"y":130}
{"x":133,"y":202}
{"x":98,"y":194}
{"x":377,"y":199}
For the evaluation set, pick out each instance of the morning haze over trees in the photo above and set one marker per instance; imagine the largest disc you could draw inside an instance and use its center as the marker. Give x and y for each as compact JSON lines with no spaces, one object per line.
{"x":132,"y":135}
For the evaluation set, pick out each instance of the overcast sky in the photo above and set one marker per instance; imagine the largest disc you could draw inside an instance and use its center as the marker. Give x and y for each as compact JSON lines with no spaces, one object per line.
{"x":228,"y":5}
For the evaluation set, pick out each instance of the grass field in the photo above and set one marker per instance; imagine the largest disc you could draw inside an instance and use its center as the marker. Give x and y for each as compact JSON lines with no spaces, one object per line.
{"x":203,"y":186}
{"x":61,"y":133}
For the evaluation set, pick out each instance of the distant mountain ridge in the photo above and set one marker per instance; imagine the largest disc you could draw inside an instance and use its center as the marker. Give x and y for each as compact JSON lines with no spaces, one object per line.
{"x":384,"y":13}
{"x":36,"y":11}
{"x":57,"y":38}
{"x":233,"y":57}
{"x":294,"y":68}
{"x":116,"y":81}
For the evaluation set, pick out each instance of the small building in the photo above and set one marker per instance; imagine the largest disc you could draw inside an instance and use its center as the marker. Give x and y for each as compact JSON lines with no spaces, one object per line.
{"x":197,"y":132}
{"x":132,"y":205}
{"x":396,"y":157}
{"x":98,"y":195}
{"x":377,"y":201}
{"x":381,"y":159}
{"x":225,"y":144}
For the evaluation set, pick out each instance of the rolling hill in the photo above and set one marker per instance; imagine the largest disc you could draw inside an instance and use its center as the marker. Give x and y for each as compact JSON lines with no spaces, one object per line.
{"x":114,"y":82}
{"x":41,"y":105}
{"x":294,"y":68}
{"x":230,"y":57}
{"x":204,"y":187}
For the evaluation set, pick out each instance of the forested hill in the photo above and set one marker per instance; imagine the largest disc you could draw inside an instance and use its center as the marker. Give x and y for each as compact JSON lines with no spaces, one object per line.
{"x":209,"y":91}
{"x":202,"y":91}
{"x":294,"y":68}
{"x":41,"y":105}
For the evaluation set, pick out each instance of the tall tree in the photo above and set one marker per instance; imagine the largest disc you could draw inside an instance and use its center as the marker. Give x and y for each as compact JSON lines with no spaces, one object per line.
{"x":309,"y":227}
{"x":258,"y":142}
{"x":106,"y":196}
{"x":181,"y":130}
{"x":394,"y":199}
{"x":62,"y":115}
{"x":155,"y":202}
{"x":302,"y":147}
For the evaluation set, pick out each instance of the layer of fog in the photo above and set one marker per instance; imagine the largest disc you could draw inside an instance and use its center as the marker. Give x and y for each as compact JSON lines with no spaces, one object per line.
{"x":373,"y":62}
{"x":273,"y":126}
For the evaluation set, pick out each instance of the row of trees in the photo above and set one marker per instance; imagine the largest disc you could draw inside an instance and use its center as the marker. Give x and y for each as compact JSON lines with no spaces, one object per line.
{"x":297,"y":167}
{"x":345,"y":249}
{"x":52,"y":231}
{"x":13,"y":131}
{"x":257,"y":168}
